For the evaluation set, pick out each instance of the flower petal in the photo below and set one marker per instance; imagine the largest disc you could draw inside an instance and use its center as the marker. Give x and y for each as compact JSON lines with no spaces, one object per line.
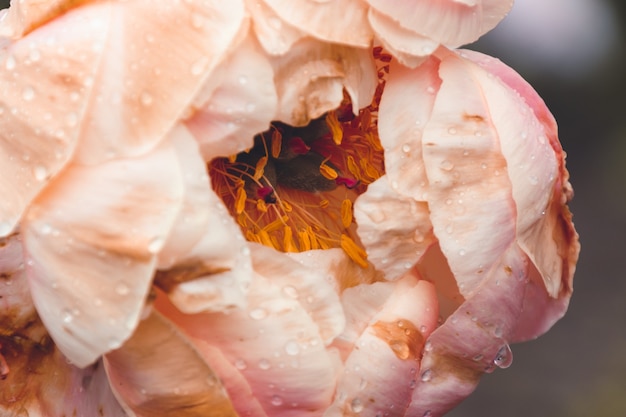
{"x":310,"y":80}
{"x":380,"y":372}
{"x":172,"y":379}
{"x":114,"y":217}
{"x":238,"y":102}
{"x":450,"y":22}
{"x":275,"y":35}
{"x":393,"y":243}
{"x":154,"y":60}
{"x":340,"y":21}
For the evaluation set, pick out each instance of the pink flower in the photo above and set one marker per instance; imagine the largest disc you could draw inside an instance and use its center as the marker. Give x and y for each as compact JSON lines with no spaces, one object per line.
{"x":247,"y":209}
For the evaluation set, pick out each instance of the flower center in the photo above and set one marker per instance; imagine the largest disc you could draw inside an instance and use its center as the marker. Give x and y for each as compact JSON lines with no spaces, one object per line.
{"x":295,"y":188}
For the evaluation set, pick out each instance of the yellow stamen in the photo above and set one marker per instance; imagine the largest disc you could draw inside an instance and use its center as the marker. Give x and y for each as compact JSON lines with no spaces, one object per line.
{"x":260,"y":167}
{"x":335,"y":127}
{"x":232,"y":158}
{"x":288,"y":244}
{"x":277,"y":140}
{"x":305,"y":240}
{"x":276,"y":224}
{"x":370,"y":171}
{"x":324,"y":203}
{"x":328,"y":172}
{"x":353,"y":250}
{"x":261,"y":206}
{"x":264,"y":238}
{"x":353,"y":167}
{"x":312,"y":238}
{"x":346,"y":213}
{"x":240,"y":200}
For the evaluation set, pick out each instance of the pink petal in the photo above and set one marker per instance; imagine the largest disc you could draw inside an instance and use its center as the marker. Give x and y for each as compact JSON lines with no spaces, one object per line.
{"x":310,"y":80}
{"x":91,"y":241}
{"x":381,"y":371}
{"x":157,"y":372}
{"x":393,"y":243}
{"x":341,"y":21}
{"x":238,"y":102}
{"x":275,"y":35}
{"x":154,"y":59}
{"x":450,"y":22}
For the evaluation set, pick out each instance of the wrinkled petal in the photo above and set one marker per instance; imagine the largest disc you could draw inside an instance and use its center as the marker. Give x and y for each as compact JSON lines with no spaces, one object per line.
{"x":449,"y":22}
{"x":278,"y":341}
{"x":43,"y":96}
{"x":380,"y":373}
{"x":393,"y":243}
{"x":275,"y":35}
{"x":310,"y":80}
{"x":170,"y":380}
{"x":341,"y":21}
{"x":237,"y":102}
{"x":153,"y":61}
{"x":114,"y":217}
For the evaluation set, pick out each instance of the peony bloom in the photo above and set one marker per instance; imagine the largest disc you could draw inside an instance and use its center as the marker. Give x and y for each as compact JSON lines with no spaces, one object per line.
{"x":269,"y":208}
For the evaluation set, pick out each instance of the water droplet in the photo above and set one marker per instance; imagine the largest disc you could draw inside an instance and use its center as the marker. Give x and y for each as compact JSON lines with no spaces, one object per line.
{"x":504,"y":357}
{"x":34,"y":55}
{"x":67,"y":316}
{"x":290,"y":291}
{"x":446,"y":165}
{"x":426,"y":375}
{"x":245,"y":251}
{"x":9,"y":64}
{"x":406,"y":148}
{"x":276,"y":400}
{"x":427,"y":413}
{"x":28,"y":93}
{"x":478,"y":357}
{"x":198,"y":67}
{"x":258,"y":313}
{"x":155,"y":244}
{"x":122,"y":289}
{"x":5,"y":228}
{"x":452,"y":131}
{"x":428,"y":346}
{"x":462,"y":252}
{"x":146,"y":99}
{"x":264,"y":364}
{"x":40,"y":172}
{"x":292,"y":348}
{"x":243,"y":80}
{"x":497,"y":331}
{"x":430,"y":90}
{"x":240,"y":364}
{"x":356,"y":405}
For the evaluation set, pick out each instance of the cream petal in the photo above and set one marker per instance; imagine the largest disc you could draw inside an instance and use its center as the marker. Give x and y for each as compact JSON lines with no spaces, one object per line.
{"x":394,"y":244}
{"x":452,"y":365}
{"x":91,"y":241}
{"x":310,"y":79}
{"x":275,"y":35}
{"x":153,"y":61}
{"x":239,"y":102}
{"x":450,"y":22}
{"x":472,"y":209}
{"x":405,"y":107}
{"x":279,"y":350}
{"x":408,"y":47}
{"x":381,"y":371}
{"x":24,"y":16}
{"x":340,"y":21}
{"x":44,"y":88}
{"x":158,"y":372}
{"x":536,"y":167}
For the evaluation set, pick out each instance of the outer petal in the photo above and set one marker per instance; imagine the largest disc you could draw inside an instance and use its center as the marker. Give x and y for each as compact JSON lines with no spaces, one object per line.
{"x":277,"y":341}
{"x":342,"y":21}
{"x":114,"y":217}
{"x":155,"y":58}
{"x":393,"y":243}
{"x":380,"y":372}
{"x":275,"y":35}
{"x":157,"y":372}
{"x":450,"y":22}
{"x":238,"y":102}
{"x":43,"y":96}
{"x":311,"y":78}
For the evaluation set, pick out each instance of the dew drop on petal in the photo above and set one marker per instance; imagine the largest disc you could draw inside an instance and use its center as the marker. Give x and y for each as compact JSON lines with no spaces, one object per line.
{"x":258,"y":313}
{"x":356,"y":405}
{"x":40,"y":172}
{"x":290,"y":291}
{"x":426,"y":375}
{"x":504,"y":357}
{"x":240,"y":364}
{"x":146,"y":99}
{"x":67,"y":316}
{"x":276,"y":400}
{"x":292,"y":348}
{"x":428,"y":413}
{"x":28,"y":93}
{"x":446,"y":165}
{"x":9,"y":64}
{"x":122,"y":289}
{"x":264,"y":364}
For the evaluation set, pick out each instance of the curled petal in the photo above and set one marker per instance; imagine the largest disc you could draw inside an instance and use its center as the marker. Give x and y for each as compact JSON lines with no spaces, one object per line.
{"x":393,"y":243}
{"x":310,"y":80}
{"x":449,"y":22}
{"x":114,"y":217}
{"x":275,"y":35}
{"x":342,"y":21}
{"x":170,"y":380}
{"x":237,"y":102}
{"x":153,"y":61}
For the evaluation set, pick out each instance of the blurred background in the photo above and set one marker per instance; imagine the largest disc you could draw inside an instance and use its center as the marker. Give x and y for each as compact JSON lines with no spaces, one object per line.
{"x":574,"y":53}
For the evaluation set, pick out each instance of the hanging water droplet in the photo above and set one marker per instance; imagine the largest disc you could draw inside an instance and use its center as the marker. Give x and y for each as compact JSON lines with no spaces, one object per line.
{"x":426,"y":375}
{"x":504,"y":357}
{"x":356,"y":405}
{"x":276,"y":400}
{"x":258,"y":313}
{"x":292,"y":348}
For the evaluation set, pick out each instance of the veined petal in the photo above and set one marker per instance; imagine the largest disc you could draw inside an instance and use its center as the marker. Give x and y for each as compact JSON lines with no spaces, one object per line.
{"x":381,"y":371}
{"x":154,"y":60}
{"x":449,"y":22}
{"x":393,"y":243}
{"x":310,"y":80}
{"x":114,"y":217}
{"x":342,"y":21}
{"x":236,"y":103}
{"x":44,"y":89}
{"x":157,"y":372}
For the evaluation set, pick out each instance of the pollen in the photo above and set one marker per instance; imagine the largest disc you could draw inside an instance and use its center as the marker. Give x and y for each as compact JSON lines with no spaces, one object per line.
{"x":295,"y":188}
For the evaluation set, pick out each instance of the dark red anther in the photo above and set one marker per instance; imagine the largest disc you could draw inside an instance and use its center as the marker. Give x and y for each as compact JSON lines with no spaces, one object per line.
{"x":266,"y":194}
{"x":349,"y":183}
